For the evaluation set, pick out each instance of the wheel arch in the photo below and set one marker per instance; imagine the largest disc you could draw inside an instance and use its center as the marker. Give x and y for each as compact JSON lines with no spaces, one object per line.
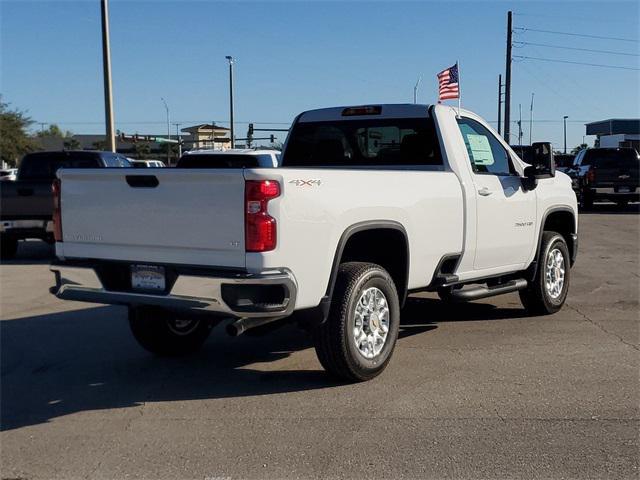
{"x":560,"y":219}
{"x":356,"y":234}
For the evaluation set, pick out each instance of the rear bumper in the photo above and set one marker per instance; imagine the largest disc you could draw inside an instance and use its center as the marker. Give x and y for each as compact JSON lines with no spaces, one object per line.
{"x":235,"y":295}
{"x":614,"y":194}
{"x":27,"y":228}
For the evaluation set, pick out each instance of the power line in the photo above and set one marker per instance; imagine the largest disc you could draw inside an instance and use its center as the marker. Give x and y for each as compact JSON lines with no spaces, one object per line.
{"x":575,"y":63}
{"x":525,"y":29}
{"x":572,"y":18}
{"x":576,"y":48}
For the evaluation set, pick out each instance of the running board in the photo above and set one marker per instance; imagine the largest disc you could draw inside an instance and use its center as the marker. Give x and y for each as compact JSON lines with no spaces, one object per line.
{"x":476,"y":293}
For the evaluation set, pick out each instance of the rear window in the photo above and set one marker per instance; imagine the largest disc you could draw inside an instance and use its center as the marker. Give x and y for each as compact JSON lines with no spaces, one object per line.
{"x":360,"y":143}
{"x":613,"y":158}
{"x":44,"y":165}
{"x":224,"y":160}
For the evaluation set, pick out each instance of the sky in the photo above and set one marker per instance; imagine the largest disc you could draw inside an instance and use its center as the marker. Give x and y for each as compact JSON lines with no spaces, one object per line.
{"x":295,"y":56}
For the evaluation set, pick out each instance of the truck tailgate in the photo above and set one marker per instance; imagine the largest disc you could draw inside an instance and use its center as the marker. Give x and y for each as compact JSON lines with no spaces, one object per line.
{"x":28,"y":199}
{"x":167,"y":215}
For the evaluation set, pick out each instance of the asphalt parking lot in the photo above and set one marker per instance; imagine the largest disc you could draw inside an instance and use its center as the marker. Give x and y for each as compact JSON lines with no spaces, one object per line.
{"x":475,"y":390}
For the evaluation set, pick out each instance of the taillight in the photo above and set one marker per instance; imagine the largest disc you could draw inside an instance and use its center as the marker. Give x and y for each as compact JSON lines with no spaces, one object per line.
{"x":591,"y":176}
{"x":260,"y":227}
{"x":57,"y":213}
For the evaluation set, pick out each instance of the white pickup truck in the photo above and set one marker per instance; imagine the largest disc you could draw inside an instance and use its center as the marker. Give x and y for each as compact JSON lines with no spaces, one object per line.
{"x":371,"y":203}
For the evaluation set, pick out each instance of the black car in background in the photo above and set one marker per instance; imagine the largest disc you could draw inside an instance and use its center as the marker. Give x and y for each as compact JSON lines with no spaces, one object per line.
{"x":610,"y":174}
{"x":26,"y":204}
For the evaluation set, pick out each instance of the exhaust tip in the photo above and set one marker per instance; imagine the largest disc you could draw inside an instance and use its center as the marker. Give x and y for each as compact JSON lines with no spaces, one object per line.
{"x":235,"y":329}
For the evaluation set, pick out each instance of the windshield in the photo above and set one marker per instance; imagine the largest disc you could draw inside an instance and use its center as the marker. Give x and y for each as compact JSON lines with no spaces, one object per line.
{"x":388,"y":142}
{"x":43,"y":165}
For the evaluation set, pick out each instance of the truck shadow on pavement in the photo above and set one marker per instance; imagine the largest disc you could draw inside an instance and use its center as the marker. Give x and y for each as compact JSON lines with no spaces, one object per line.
{"x":85,"y":360}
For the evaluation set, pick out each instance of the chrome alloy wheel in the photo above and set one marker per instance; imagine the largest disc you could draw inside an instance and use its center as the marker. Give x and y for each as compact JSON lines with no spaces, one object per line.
{"x":371,"y":322}
{"x":554,"y":274}
{"x":181,"y":326}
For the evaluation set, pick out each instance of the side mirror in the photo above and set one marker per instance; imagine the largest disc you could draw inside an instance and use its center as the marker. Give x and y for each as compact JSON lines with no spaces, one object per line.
{"x":542,"y":161}
{"x":530,"y":180}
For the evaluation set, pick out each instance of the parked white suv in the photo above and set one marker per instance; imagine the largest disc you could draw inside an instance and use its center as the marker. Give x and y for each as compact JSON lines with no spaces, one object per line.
{"x":369,"y":204}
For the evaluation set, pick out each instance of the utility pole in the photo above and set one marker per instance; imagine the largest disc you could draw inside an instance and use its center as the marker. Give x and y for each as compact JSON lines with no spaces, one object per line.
{"x":166,"y":107}
{"x":520,"y":125}
{"x":500,"y":104}
{"x":178,"y":138}
{"x":531,"y":118}
{"x":415,"y":90}
{"x":565,"y":132}
{"x":230,"y":59}
{"x":106,"y":68}
{"x":507,"y":87}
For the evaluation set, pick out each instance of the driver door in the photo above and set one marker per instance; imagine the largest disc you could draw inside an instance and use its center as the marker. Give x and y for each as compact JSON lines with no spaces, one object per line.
{"x":506,"y":213}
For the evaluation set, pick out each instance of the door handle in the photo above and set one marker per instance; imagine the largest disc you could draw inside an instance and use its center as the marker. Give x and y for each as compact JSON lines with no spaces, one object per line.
{"x":485,"y":192}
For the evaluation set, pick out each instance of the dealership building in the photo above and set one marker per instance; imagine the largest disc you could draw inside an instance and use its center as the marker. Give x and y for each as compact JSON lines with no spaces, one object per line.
{"x":616,"y":132}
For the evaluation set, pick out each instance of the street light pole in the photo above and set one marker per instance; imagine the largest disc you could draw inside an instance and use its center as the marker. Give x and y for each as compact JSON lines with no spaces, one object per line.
{"x":166,"y":107}
{"x":106,"y":69}
{"x":230,"y":59}
{"x":178,"y":138}
{"x":415,"y":90}
{"x":565,"y":132}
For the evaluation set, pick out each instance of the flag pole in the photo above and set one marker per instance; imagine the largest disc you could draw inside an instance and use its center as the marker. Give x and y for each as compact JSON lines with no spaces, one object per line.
{"x":459,"y":86}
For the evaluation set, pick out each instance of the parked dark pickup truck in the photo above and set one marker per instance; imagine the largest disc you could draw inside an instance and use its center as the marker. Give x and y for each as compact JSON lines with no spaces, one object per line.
{"x":610,"y":174}
{"x":26,"y":204}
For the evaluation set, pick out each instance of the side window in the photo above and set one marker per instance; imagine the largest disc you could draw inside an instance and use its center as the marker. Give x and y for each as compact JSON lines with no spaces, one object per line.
{"x":486,"y":153}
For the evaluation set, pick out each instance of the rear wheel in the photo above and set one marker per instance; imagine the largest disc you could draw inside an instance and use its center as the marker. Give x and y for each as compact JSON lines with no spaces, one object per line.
{"x":161,"y":332}
{"x":8,"y":247}
{"x":547,"y":292}
{"x":586,"y":200}
{"x":357,"y":340}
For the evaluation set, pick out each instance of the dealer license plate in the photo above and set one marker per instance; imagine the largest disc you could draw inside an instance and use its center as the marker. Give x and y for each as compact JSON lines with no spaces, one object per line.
{"x":147,"y":277}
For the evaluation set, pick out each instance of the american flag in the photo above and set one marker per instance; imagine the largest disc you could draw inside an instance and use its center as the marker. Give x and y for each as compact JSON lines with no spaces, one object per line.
{"x":448,"y":83}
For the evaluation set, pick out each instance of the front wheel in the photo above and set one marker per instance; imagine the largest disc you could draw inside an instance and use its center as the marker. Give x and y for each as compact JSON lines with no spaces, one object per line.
{"x":547,"y":292}
{"x":162,"y":333}
{"x":356,"y":341}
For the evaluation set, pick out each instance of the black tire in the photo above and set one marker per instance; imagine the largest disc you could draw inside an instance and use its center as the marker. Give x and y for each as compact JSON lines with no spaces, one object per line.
{"x":161,"y":333}
{"x":334,"y":339}
{"x":535,"y":298}
{"x":586,"y":200}
{"x":8,"y":247}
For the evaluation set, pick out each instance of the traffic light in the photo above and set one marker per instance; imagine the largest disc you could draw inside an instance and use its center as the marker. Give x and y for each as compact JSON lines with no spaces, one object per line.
{"x":273,"y":138}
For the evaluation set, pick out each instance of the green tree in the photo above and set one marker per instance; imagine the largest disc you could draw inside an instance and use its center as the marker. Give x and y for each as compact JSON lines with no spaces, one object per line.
{"x":14,"y":139}
{"x":71,"y":143}
{"x":52,"y":131}
{"x":100,"y":145}
{"x":142,"y":150}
